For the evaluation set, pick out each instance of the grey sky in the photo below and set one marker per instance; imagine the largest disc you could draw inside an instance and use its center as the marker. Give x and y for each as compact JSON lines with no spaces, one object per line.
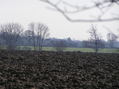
{"x":26,"y":11}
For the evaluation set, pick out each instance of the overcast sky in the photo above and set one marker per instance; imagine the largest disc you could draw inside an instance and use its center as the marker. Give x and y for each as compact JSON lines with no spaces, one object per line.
{"x":26,"y":11}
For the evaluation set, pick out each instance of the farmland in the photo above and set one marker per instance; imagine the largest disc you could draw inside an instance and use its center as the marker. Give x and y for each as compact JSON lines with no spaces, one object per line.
{"x":58,"y":70}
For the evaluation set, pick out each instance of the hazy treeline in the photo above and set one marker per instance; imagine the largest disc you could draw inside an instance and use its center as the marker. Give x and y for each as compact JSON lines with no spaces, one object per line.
{"x":70,"y":43}
{"x":13,"y":35}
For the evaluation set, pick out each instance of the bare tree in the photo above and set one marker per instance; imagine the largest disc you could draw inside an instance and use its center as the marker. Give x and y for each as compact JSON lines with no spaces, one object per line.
{"x":40,"y":33}
{"x":10,"y":33}
{"x":67,"y":8}
{"x":111,"y":39}
{"x":59,"y":45}
{"x":95,"y":39}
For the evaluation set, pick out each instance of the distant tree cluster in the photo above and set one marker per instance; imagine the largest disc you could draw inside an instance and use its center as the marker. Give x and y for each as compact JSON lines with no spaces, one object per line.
{"x":11,"y":33}
{"x":37,"y":33}
{"x":96,"y":42}
{"x":111,"y":37}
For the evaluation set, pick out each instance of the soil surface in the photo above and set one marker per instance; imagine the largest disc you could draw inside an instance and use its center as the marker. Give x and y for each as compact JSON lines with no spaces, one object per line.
{"x":58,"y":70}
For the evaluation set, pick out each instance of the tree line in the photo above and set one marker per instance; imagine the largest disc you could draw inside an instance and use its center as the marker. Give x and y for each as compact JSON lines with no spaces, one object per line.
{"x":13,"y":36}
{"x":11,"y":32}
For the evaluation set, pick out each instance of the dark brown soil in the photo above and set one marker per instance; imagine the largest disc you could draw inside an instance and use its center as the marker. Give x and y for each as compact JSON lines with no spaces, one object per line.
{"x":58,"y":70}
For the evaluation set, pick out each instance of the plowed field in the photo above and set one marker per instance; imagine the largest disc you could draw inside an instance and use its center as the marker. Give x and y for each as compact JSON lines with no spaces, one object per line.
{"x":58,"y":70}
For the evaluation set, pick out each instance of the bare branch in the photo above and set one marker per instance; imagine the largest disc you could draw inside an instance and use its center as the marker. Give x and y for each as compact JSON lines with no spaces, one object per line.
{"x":78,"y":9}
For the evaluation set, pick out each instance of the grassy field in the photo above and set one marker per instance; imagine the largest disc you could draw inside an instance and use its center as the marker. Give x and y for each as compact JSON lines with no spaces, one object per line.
{"x":105,"y":50}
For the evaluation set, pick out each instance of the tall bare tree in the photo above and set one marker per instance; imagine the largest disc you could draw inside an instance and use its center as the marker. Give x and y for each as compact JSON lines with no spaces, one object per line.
{"x":95,"y":39}
{"x":40,"y":33}
{"x":72,"y":7}
{"x":10,"y":33}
